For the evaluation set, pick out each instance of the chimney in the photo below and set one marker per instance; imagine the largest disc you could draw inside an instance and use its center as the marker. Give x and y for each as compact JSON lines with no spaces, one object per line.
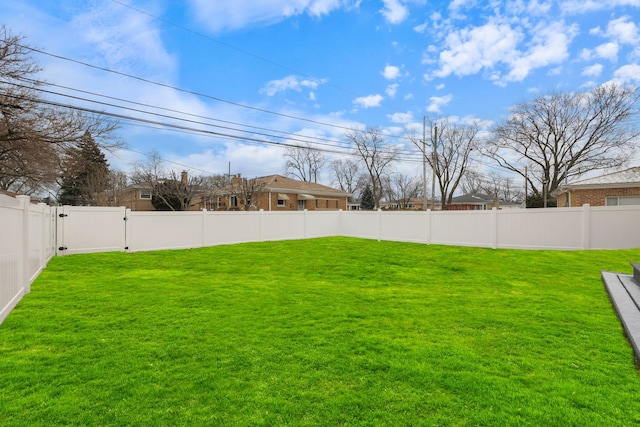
{"x":236,"y":180}
{"x":184,"y":179}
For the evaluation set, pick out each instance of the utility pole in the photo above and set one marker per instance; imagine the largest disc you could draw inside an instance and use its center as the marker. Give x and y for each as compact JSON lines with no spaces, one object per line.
{"x":433,"y":169}
{"x":526,"y":186}
{"x":424,"y":162}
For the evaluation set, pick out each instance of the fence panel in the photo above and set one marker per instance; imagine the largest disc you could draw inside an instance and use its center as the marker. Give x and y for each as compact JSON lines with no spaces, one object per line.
{"x":164,"y":230}
{"x":363,"y":224}
{"x":223,"y":228}
{"x":323,"y":224}
{"x":84,"y":229}
{"x":540,"y":228}
{"x":12,"y":245}
{"x":403,"y":226}
{"x":615,"y":227}
{"x":463,"y":228}
{"x":26,"y":245}
{"x":283,"y":225}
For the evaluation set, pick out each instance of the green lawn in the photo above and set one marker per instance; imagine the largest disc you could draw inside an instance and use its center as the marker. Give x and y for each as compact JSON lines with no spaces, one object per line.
{"x":334,"y":331}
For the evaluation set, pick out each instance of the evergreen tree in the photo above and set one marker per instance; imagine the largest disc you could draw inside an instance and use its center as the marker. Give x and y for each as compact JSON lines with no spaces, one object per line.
{"x":367,"y":201}
{"x":85,"y":174}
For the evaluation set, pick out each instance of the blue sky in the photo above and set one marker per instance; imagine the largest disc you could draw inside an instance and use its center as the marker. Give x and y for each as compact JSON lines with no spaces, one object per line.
{"x":297,"y":71}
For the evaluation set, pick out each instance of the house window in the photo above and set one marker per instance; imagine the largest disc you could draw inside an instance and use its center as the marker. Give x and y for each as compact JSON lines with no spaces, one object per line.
{"x":282,"y":203}
{"x":233,"y":201}
{"x":623,"y":201}
{"x":145,"y":194}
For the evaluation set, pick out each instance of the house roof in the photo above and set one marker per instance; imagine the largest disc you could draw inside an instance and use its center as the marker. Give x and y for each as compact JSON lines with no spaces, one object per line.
{"x":626,"y":178}
{"x":472,"y":198}
{"x":478,"y":199}
{"x":282,"y":184}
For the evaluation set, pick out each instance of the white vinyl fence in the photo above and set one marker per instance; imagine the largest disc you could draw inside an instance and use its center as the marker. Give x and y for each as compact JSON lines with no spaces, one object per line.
{"x":30,"y":234}
{"x":27,"y":239}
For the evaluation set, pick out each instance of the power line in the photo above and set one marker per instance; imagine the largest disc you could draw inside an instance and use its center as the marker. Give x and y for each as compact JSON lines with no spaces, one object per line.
{"x":190,"y":92}
{"x":297,"y":135}
{"x":334,"y":148}
{"x":199,"y":94}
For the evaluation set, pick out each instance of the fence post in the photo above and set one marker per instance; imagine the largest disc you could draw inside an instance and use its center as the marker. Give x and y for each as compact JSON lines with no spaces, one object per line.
{"x":43,"y":235}
{"x":494,"y":228}
{"x":427,"y":237}
{"x":261,"y":226}
{"x":379,"y":224}
{"x":586,"y":226}
{"x":25,"y":201}
{"x":127,"y":228}
{"x":203,"y":227}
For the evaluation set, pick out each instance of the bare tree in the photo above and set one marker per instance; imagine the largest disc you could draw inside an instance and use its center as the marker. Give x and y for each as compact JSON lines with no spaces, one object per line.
{"x":34,"y":136}
{"x":564,"y":135}
{"x":451,"y":161}
{"x":169,"y":190}
{"x":117,"y":182}
{"x":245,"y":190}
{"x":376,"y":155}
{"x":304,"y":163}
{"x":402,"y":188}
{"x":493,"y":184}
{"x":348,"y":176}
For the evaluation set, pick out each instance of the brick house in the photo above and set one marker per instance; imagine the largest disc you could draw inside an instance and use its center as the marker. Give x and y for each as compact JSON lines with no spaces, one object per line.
{"x":137,"y":197}
{"x":279,"y":193}
{"x":614,"y":189}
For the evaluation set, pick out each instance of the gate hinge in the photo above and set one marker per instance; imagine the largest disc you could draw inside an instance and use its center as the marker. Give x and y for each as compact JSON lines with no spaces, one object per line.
{"x":62,"y":248}
{"x":62,"y":215}
{"x":125,"y":218}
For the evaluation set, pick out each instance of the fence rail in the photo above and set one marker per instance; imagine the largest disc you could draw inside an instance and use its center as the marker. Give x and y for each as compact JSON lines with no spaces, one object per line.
{"x":31,"y":234}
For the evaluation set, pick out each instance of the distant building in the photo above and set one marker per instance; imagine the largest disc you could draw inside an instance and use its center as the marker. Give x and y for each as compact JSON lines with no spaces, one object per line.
{"x":613,"y":189}
{"x":479,"y":201}
{"x":279,"y":193}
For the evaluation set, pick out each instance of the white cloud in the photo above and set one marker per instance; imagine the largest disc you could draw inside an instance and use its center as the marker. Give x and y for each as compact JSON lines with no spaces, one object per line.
{"x":420,"y":28}
{"x":623,"y":30}
{"x":401,"y":117}
{"x":127,"y":42}
{"x":583,"y":6}
{"x":627,"y":74}
{"x":392,"y":90}
{"x":232,"y":15}
{"x":369,"y":101}
{"x":391,"y":72}
{"x":437,"y":102}
{"x":550,"y":45}
{"x":456,"y":6}
{"x":470,"y":49}
{"x":290,"y":83}
{"x":593,"y":71}
{"x":394,"y":11}
{"x":495,"y":48}
{"x":608,"y":51}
